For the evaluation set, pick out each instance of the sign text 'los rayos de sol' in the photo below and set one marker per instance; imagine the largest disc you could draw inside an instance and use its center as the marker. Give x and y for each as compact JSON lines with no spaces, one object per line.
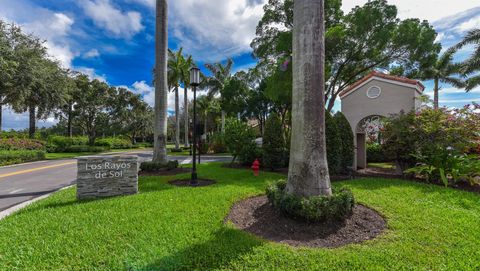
{"x":100,"y":176}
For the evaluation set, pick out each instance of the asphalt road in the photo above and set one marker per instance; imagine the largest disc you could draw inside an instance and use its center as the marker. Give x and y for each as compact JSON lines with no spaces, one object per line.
{"x":20,"y":183}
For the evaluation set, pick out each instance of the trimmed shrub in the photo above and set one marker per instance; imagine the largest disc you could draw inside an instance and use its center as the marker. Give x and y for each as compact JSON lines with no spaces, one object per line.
{"x":154,"y":166}
{"x":15,"y":143}
{"x":114,"y":143}
{"x":84,"y":148}
{"x":176,"y":150}
{"x":61,"y":143}
{"x":334,"y":144}
{"x":346,"y":142}
{"x":312,"y":209}
{"x":240,"y":141}
{"x":273,"y":143}
{"x":375,"y":154}
{"x":217,"y":143}
{"x":20,"y":156}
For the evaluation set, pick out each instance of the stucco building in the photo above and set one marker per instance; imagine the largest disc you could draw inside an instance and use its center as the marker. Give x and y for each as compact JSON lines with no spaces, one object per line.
{"x":377,"y":95}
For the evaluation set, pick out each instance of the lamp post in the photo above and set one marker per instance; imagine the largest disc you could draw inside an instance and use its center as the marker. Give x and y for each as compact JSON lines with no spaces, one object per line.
{"x":194,"y":82}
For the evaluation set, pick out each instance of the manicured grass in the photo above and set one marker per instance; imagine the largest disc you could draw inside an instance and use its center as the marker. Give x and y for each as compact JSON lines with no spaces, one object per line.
{"x":63,"y":155}
{"x":382,"y":165}
{"x":171,"y":228}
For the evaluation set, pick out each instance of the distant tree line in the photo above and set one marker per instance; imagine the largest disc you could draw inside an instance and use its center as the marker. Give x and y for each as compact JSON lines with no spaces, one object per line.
{"x":32,"y":81}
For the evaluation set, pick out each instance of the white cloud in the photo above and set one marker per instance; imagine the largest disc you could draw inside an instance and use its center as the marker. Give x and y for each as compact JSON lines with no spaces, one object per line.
{"x":92,"y":54}
{"x":431,"y":10}
{"x":91,"y":73}
{"x":470,"y":24}
{"x":55,"y":28}
{"x":118,"y":23}
{"x":148,"y":94}
{"x":213,"y":30}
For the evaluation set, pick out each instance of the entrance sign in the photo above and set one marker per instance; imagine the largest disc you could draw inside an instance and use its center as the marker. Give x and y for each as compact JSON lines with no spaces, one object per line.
{"x":106,"y":176}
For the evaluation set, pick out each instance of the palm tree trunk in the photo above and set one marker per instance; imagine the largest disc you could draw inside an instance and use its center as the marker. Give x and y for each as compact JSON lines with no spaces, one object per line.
{"x":32,"y":117}
{"x":161,"y":87}
{"x":185,"y":101}
{"x":205,"y":126}
{"x":177,"y":120}
{"x":69,"y":121}
{"x":435,"y":93}
{"x":223,"y":121}
{"x":1,"y":116}
{"x":308,"y":170}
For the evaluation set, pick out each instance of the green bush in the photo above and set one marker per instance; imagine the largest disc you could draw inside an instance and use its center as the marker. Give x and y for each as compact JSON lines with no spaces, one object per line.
{"x":176,"y":150}
{"x":20,"y":156}
{"x":375,"y":154}
{"x":84,"y":148}
{"x":346,"y":142}
{"x":240,"y":141}
{"x":312,"y":209}
{"x":217,"y":143}
{"x":61,"y":143}
{"x":273,"y":143}
{"x":144,"y":145}
{"x":435,"y":138}
{"x":114,"y":143}
{"x":15,"y":143}
{"x":154,"y":166}
{"x":334,"y":144}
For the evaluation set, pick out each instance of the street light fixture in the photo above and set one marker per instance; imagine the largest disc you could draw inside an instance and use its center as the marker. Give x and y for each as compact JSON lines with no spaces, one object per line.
{"x":194,"y":82}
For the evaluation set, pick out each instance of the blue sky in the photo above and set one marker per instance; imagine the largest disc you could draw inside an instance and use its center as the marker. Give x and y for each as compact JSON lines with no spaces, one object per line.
{"x":112,"y":40}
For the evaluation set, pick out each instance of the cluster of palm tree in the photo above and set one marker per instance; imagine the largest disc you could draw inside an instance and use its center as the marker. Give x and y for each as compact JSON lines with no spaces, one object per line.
{"x":179,"y":74}
{"x":458,"y":74}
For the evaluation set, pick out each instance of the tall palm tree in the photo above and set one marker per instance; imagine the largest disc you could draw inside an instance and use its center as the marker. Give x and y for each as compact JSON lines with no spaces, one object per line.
{"x":204,"y":104}
{"x":308,"y":171}
{"x":472,"y":65}
{"x":186,"y":82}
{"x":176,"y":63}
{"x":443,"y":71}
{"x":161,"y":85}
{"x":216,"y":83}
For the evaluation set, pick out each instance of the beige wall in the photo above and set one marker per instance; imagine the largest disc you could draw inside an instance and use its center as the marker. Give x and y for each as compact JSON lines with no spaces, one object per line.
{"x":393,"y":99}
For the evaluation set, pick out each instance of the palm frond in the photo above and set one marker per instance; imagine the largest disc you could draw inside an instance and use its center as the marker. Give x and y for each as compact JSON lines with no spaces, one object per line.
{"x":472,"y":37}
{"x":473,"y":82}
{"x":454,"y":81}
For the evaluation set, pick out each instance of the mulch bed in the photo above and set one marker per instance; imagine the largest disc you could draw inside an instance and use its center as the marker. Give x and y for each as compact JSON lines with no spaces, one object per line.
{"x":257,"y":216}
{"x":165,"y":172}
{"x":186,"y":183}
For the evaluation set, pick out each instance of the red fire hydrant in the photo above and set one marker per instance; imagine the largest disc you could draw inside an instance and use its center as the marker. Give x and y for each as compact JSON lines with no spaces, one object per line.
{"x":256,"y":167}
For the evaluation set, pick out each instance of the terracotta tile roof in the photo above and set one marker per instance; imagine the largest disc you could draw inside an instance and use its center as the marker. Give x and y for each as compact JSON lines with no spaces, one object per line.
{"x":383,"y":76}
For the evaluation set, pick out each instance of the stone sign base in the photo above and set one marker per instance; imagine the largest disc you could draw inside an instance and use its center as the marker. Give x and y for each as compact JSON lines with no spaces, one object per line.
{"x":107,"y":176}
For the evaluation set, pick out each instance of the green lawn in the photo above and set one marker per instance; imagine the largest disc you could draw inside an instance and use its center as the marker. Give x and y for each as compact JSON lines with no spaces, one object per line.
{"x":382,"y":165}
{"x":63,"y":155}
{"x":171,"y":228}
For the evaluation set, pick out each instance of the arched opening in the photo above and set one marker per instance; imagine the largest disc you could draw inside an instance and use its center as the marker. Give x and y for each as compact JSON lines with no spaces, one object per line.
{"x":367,"y":131}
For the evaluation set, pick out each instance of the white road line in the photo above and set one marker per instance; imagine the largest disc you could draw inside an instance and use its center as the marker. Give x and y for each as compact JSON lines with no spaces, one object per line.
{"x":186,"y":161}
{"x":15,"y":191}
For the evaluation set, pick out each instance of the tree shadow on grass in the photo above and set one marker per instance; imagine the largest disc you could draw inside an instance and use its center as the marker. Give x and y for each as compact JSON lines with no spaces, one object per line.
{"x":226,"y":246}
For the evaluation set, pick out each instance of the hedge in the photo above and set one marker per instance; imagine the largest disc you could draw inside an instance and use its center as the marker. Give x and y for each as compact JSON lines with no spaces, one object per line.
{"x":20,"y":156}
{"x":155,"y":166}
{"x":84,"y":148}
{"x":376,"y":154}
{"x":273,"y":143}
{"x":313,"y":209}
{"x":14,"y":144}
{"x":346,"y":141}
{"x":334,"y":144}
{"x":114,"y":143}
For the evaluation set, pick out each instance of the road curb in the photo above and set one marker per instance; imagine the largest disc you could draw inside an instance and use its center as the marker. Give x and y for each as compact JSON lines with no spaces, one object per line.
{"x":10,"y":211}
